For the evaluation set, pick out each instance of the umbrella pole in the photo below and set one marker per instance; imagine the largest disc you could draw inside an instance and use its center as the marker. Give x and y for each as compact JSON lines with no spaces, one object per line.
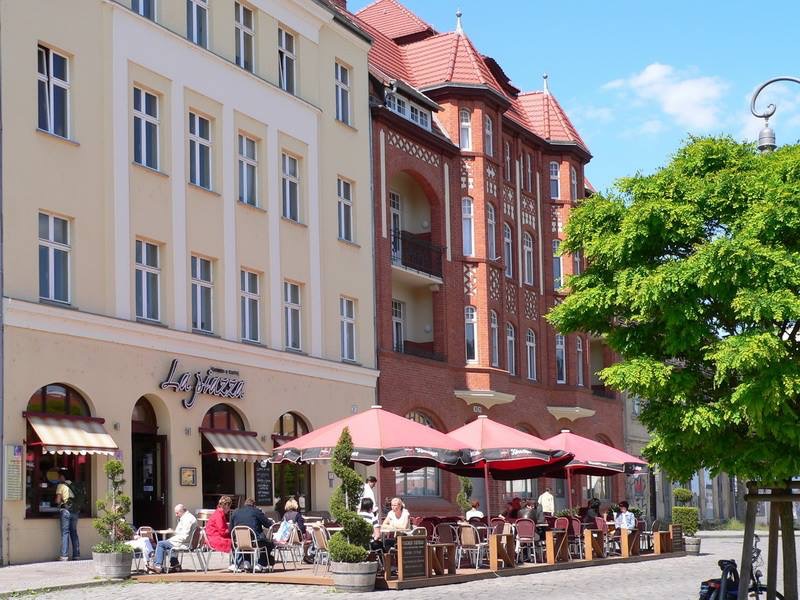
{"x":569,"y":487}
{"x":378,"y":497}
{"x":486,"y":489}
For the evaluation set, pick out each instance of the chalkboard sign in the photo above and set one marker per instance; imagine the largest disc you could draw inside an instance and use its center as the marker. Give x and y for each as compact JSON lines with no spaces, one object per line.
{"x":412,"y":556}
{"x":263,"y":479}
{"x":676,"y":533}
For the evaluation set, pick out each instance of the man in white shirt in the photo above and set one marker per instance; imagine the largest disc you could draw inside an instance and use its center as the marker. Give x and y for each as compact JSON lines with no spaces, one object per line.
{"x":179,"y":540}
{"x":369,"y":492}
{"x":547,"y":502}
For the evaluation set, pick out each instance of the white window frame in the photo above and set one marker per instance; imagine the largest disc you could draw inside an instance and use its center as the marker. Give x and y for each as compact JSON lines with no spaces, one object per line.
{"x":242,"y":32}
{"x":507,"y":160}
{"x":287,"y":61}
{"x":511,"y":349}
{"x":508,"y":250}
{"x":494,"y":339}
{"x":290,"y":181}
{"x":420,"y":116}
{"x":51,"y":82}
{"x":579,"y":360}
{"x":142,"y":269}
{"x":528,"y":172}
{"x":344,"y":195}
{"x":558,"y":266}
{"x":198,"y":285}
{"x":577,"y":262}
{"x":197,"y":10}
{"x":573,"y":184}
{"x":140,"y":8}
{"x":342,"y":89}
{"x":141,"y":119}
{"x":248,"y":184}
{"x":465,"y":129}
{"x":471,"y":329}
{"x":488,"y":136}
{"x":527,"y":258}
{"x":530,"y":353}
{"x":249,"y":294}
{"x":398,"y":325}
{"x":491,"y":232}
{"x":347,"y":328}
{"x":196,"y":141}
{"x":561,"y":355}
{"x":555,"y":182}
{"x":468,"y":226}
{"x":292,"y":316}
{"x":53,"y":247}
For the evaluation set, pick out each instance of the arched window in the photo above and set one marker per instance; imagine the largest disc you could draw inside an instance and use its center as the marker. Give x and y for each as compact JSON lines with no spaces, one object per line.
{"x":508,"y":250}
{"x":557,"y":272}
{"x":424,"y":481}
{"x":511,"y":349}
{"x":494,"y":339}
{"x":527,"y":258}
{"x":530,"y":354}
{"x":573,"y":184}
{"x":223,"y":416}
{"x":524,"y":488}
{"x":467,"y":228}
{"x":290,"y":425}
{"x":488,"y":136}
{"x":507,"y":160}
{"x":600,"y":487}
{"x":143,"y":417}
{"x":555,"y":186}
{"x":465,"y":129}
{"x":42,"y":468}
{"x":561,"y":359}
{"x":471,"y":333}
{"x":579,"y":360}
{"x":491,"y":233}
{"x":289,"y":479}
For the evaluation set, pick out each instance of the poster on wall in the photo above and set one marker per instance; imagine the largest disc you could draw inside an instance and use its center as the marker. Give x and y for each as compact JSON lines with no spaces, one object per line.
{"x":12,"y":486}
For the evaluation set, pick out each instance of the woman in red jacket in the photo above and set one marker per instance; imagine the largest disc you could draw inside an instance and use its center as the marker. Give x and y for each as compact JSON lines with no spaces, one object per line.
{"x":217,"y":534}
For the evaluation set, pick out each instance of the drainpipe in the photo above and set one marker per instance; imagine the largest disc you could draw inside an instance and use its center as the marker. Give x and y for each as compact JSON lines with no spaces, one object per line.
{"x":375,"y":318}
{"x":2,"y":334}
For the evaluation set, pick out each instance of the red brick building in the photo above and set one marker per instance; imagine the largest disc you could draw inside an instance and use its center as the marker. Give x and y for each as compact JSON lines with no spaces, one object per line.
{"x":473,"y":183}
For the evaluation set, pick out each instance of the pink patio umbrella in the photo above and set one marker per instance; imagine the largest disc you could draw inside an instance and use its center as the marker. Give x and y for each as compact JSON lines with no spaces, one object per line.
{"x":590,"y":458}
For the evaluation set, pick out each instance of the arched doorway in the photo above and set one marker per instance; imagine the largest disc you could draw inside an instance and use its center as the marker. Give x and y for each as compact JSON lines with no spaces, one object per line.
{"x":148,"y":462}
{"x":291,"y":479}
{"x":221,"y":477}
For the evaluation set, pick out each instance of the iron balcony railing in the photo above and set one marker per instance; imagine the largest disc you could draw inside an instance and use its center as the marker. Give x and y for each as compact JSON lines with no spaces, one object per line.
{"x":413,"y":350}
{"x":414,"y":253}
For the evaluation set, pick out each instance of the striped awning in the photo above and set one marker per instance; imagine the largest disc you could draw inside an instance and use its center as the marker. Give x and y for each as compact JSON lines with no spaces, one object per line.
{"x":235,"y":445}
{"x":59,"y":435}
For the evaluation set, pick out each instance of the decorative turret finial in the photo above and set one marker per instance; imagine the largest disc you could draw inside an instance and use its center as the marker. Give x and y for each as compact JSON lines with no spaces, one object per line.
{"x":458,"y":21}
{"x":546,"y":87}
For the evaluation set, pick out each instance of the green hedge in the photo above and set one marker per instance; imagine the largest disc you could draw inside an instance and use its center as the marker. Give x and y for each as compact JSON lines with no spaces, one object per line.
{"x":688,"y":517}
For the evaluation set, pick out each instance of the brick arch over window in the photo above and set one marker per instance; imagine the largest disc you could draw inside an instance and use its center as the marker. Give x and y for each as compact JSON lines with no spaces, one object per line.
{"x":604,"y":439}
{"x":425,"y":482}
{"x":525,"y":428}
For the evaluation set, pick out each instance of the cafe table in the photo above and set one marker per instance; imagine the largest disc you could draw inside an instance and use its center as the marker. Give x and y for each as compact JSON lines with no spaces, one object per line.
{"x":162,"y":534}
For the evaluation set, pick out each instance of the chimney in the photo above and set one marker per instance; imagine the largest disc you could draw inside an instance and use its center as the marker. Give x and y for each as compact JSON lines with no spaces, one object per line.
{"x":340,"y":4}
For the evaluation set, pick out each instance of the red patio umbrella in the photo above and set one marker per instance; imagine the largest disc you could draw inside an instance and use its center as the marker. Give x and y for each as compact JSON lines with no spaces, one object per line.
{"x":590,"y":458}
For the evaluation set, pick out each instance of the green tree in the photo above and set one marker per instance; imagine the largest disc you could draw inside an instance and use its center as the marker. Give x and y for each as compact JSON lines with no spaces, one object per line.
{"x":693,"y":277}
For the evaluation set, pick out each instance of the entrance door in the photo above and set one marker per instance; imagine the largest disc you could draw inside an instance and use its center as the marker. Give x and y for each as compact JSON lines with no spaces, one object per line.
{"x":149,"y":481}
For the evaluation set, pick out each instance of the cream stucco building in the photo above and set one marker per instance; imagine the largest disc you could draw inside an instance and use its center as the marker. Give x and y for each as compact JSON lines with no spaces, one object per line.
{"x":182,"y":181}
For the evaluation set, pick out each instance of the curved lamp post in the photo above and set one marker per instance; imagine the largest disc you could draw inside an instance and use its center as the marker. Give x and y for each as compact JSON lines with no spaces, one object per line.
{"x":766,"y":137}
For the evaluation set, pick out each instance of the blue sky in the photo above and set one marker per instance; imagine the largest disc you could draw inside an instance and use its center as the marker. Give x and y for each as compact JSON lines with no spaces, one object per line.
{"x":637,"y":77}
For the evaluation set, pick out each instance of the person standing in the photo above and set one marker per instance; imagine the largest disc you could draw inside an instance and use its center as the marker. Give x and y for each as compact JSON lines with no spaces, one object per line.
{"x":547,"y":502}
{"x":68,"y":512}
{"x":369,"y":492}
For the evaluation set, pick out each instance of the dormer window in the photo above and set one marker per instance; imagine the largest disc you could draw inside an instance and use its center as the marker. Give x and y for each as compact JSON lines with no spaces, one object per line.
{"x":409,"y":110}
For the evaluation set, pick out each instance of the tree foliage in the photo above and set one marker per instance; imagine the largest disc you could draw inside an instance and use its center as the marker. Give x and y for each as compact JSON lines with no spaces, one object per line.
{"x":693,"y":277}
{"x":111,"y":510}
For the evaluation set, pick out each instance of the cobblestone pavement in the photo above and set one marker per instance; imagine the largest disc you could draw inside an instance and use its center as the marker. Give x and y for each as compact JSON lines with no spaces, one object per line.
{"x":668,"y":579}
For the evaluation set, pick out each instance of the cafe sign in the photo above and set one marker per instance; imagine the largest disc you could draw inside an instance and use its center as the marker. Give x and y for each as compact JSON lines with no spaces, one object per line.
{"x":222,"y":383}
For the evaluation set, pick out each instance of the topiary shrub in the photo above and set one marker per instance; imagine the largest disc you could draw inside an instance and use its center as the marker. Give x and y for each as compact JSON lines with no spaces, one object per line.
{"x":464,"y":494}
{"x":350,"y":544}
{"x":682,"y":496}
{"x":110,"y":522}
{"x":688,"y":517}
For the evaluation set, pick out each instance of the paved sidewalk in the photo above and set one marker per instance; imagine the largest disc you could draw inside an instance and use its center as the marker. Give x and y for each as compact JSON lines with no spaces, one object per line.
{"x":47,"y":576}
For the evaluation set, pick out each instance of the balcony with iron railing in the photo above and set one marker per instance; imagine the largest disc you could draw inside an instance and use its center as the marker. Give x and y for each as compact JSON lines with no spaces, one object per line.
{"x":413,"y":253}
{"x":418,"y":349}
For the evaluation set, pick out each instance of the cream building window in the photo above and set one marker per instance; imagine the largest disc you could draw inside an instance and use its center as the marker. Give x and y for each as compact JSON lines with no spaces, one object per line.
{"x":561,"y":359}
{"x":347,"y":315}
{"x":494,"y":339}
{"x":465,"y":129}
{"x":467,"y":227}
{"x":199,"y":151}
{"x":555,"y":184}
{"x":511,"y":349}
{"x":471,"y":333}
{"x":53,"y":91}
{"x":244,"y":35}
{"x":290,"y":187}
{"x":398,"y":325}
{"x":557,"y":266}
{"x":491,"y":233}
{"x":54,"y":258}
{"x":291,"y":315}
{"x":145,"y":128}
{"x":286,"y":61}
{"x":248,"y":171}
{"x":342,"y":75}
{"x":249,"y":305}
{"x":148,"y":281}
{"x":527,"y":258}
{"x":488,"y":136}
{"x":579,"y":360}
{"x":145,"y":8}
{"x":508,"y":250}
{"x":344,"y":193}
{"x":530,"y":353}
{"x":202,"y":294}
{"x":197,"y":22}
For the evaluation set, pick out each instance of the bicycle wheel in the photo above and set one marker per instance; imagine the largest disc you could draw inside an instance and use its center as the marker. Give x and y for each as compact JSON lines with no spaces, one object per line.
{"x":760,"y":592}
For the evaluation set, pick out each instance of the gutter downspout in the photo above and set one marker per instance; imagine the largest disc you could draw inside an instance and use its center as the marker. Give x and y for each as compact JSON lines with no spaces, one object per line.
{"x":2,"y":331}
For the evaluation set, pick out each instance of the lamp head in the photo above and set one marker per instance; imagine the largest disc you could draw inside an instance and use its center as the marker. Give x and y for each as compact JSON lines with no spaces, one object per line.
{"x":766,"y":139}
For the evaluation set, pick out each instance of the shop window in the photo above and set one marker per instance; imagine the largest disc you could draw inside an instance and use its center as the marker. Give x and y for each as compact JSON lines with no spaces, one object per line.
{"x":222,"y":416}
{"x":424,"y":481}
{"x":291,"y":480}
{"x":42,"y":468}
{"x":219,"y":477}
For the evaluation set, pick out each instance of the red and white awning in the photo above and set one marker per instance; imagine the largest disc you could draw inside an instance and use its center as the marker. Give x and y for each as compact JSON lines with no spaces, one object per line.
{"x":236,"y":445}
{"x":60,"y":435}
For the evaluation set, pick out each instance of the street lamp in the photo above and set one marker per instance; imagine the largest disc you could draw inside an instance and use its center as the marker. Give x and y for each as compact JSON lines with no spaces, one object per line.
{"x":766,"y":137}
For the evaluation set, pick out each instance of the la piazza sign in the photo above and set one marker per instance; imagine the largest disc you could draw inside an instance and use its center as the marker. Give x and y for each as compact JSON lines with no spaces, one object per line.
{"x":222,"y":383}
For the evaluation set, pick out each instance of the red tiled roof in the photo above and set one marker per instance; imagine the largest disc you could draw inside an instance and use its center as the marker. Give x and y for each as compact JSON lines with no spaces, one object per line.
{"x":393,"y":19}
{"x":384,"y":54}
{"x":548,"y":120}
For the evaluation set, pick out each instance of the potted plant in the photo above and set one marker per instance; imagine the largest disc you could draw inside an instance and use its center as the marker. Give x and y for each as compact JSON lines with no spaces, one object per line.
{"x":687,"y":517}
{"x":112,"y":557}
{"x":348,"y":548}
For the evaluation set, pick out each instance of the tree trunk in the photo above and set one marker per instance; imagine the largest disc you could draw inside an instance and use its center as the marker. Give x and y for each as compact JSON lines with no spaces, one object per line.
{"x":745,"y":566}
{"x":789,"y":555}
{"x":772,"y":552}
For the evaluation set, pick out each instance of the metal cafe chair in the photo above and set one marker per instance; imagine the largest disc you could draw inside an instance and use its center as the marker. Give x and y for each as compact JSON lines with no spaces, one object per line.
{"x":245,"y":543}
{"x":469,"y":543}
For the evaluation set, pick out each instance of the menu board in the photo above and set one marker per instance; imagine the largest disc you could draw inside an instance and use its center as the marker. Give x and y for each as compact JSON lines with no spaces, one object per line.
{"x":676,"y":532}
{"x":263,"y":479}
{"x":13,"y":472}
{"x":412,"y":556}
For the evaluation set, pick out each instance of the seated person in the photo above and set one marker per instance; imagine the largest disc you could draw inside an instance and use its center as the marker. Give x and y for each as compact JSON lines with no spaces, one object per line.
{"x":592,"y":511}
{"x":398,"y":518}
{"x":251,"y":516}
{"x":143,"y":544}
{"x":180,"y":539}
{"x":531,"y":511}
{"x":292,"y":515}
{"x":625,"y":519}
{"x":366,"y":512}
{"x":217,"y":532}
{"x":474,"y":512}
{"x":509,"y":512}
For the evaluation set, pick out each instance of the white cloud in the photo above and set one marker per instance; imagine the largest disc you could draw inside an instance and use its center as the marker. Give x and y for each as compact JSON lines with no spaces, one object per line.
{"x":651,"y":127}
{"x":589,"y":113}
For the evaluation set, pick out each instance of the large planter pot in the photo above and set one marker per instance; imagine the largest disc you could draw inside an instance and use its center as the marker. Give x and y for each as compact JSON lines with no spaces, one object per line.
{"x":113,"y":565}
{"x":354,"y":577}
{"x":692,"y":545}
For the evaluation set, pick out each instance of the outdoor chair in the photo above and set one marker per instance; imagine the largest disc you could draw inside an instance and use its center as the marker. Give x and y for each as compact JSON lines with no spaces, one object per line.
{"x":494,"y":522}
{"x":138,"y":555}
{"x":319,"y":539}
{"x":245,"y":543}
{"x":550,"y":520}
{"x":644,"y":539}
{"x":293,"y":546}
{"x":469,"y":543}
{"x":575,"y":535}
{"x":608,"y":543}
{"x":195,"y":550}
{"x":527,"y":537}
{"x":207,"y":551}
{"x":445,"y":534}
{"x":562,"y":524}
{"x":419,"y":530}
{"x":430,"y":527}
